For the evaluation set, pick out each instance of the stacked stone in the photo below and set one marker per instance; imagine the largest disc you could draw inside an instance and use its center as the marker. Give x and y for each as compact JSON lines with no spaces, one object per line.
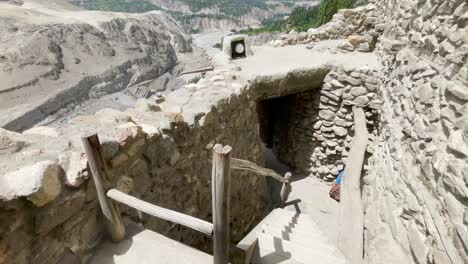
{"x":361,"y":21}
{"x":159,"y":151}
{"x":421,"y":162}
{"x":322,"y":122}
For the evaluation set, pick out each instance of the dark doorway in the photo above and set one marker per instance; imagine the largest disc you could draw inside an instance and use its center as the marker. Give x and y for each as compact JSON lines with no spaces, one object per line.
{"x":274,"y":119}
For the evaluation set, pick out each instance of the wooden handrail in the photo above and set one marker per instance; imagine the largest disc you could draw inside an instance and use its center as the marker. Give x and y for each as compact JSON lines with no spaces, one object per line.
{"x":160,"y":212}
{"x":351,"y":221}
{"x":240,"y":164}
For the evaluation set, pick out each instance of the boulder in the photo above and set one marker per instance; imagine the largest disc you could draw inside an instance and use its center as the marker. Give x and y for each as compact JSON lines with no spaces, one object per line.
{"x":363,"y":47}
{"x":40,"y":183}
{"x":346,"y":46}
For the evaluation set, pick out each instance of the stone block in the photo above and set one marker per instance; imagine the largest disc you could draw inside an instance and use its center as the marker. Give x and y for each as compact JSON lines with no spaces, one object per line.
{"x":340,"y":131}
{"x":59,"y":212}
{"x":358,"y":91}
{"x":326,"y":114}
{"x":39,"y":183}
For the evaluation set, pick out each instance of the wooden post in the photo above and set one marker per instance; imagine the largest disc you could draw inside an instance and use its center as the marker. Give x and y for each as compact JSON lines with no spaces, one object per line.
{"x":221,"y":197}
{"x":99,"y":171}
{"x":285,"y":189}
{"x":351,"y":221}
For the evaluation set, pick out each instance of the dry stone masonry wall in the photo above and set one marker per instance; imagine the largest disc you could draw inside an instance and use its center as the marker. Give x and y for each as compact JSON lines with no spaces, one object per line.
{"x":321,"y":124}
{"x":416,"y":191}
{"x":49,"y":209}
{"x":357,"y":26}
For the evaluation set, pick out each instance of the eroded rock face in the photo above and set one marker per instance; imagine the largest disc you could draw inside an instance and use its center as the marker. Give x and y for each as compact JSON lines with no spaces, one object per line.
{"x":52,"y":65}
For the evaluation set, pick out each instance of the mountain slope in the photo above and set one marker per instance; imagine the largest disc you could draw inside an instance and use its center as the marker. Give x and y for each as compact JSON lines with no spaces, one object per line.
{"x":52,"y":58}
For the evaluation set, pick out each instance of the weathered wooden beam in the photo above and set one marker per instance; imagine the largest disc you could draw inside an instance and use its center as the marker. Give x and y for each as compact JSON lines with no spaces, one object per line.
{"x":240,"y":164}
{"x":163,"y":213}
{"x":285,"y":188}
{"x":249,"y":254}
{"x":221,"y":198}
{"x":210,"y":68}
{"x":351,"y":222}
{"x":97,"y":164}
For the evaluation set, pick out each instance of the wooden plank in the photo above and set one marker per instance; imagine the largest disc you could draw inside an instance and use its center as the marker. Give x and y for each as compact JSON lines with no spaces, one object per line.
{"x":351,"y":221}
{"x":250,"y":252}
{"x":97,"y":164}
{"x":221,"y":194}
{"x":210,"y":68}
{"x":240,"y":164}
{"x":163,"y":213}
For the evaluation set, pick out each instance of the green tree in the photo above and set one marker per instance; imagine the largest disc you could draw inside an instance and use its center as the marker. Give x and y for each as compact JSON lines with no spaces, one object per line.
{"x":330,"y":7}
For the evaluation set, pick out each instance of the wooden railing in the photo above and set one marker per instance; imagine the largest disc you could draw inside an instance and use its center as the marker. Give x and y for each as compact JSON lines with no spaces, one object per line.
{"x":351,"y":222}
{"x":220,"y":229}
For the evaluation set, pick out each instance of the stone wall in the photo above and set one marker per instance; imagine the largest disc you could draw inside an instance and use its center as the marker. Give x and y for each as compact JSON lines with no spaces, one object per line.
{"x":319,"y":125}
{"x":49,"y":210}
{"x":358,"y":25}
{"x":417,"y":187}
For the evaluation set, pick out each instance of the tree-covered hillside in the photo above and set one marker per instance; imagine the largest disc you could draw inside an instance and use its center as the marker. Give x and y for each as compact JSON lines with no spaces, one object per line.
{"x":303,"y":18}
{"x":227,"y":7}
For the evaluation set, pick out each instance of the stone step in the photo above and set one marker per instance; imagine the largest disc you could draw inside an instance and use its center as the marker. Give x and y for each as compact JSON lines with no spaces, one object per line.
{"x":280,"y":219}
{"x":251,"y":237}
{"x":302,"y":229}
{"x":143,"y":246}
{"x":295,"y":236}
{"x":264,"y":256}
{"x":313,"y":253}
{"x":292,"y":218}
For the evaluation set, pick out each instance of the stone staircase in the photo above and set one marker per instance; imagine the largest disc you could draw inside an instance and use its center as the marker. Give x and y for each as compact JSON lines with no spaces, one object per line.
{"x":290,"y":237}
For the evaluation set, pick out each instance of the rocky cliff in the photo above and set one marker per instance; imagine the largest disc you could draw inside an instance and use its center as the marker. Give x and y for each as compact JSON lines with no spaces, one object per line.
{"x":52,"y":58}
